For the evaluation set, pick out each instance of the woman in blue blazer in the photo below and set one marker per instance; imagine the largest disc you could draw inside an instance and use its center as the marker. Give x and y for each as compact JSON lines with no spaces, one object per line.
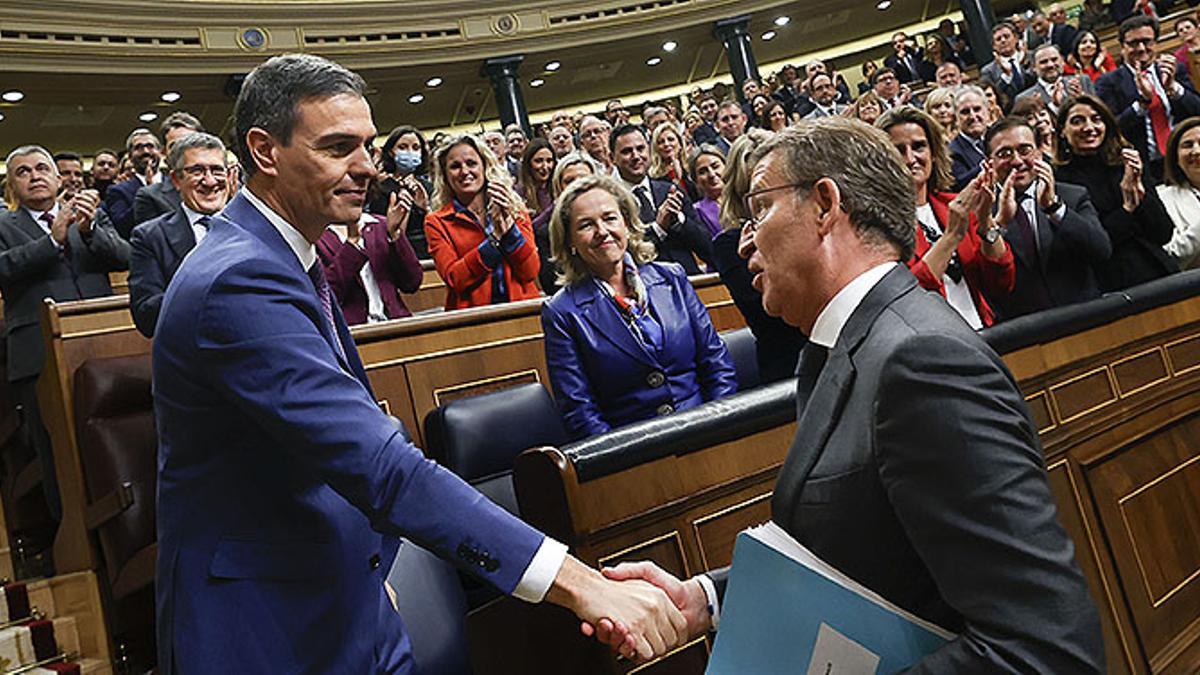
{"x":626,"y":339}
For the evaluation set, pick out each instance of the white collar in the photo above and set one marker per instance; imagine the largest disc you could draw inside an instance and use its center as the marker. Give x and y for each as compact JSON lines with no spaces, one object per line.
{"x":831,"y":320}
{"x":53,"y":211}
{"x":644,"y":183}
{"x":305,"y":252}
{"x":194,"y":216}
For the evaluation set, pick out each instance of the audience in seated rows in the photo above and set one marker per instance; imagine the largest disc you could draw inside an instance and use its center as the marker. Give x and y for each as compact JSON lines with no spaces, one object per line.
{"x":404,"y":172}
{"x":158,"y":246}
{"x":1052,"y":228}
{"x":570,"y":168}
{"x":958,"y":251}
{"x":626,"y":338}
{"x":1091,"y":153}
{"x":479,"y":234}
{"x":1052,"y":86}
{"x":707,"y":164}
{"x":1180,"y":193}
{"x":1009,"y":69}
{"x":162,"y":198}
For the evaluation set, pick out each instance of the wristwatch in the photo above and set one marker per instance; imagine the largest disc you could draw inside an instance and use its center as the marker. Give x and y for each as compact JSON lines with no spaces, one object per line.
{"x":992,"y":235}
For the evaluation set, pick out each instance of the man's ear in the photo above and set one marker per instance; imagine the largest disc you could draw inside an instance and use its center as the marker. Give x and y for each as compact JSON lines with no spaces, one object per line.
{"x":828,"y":198}
{"x":262,"y":146}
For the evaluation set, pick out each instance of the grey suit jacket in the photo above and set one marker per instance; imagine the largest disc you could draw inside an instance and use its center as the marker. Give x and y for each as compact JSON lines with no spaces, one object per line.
{"x":991,"y":72}
{"x":155,"y":200}
{"x":1038,"y":90}
{"x":916,"y":470}
{"x":32,"y":268}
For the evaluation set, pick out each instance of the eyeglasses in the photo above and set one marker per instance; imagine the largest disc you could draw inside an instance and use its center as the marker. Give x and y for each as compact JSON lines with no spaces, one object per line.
{"x":1140,"y":42}
{"x":198,"y":171}
{"x":757,"y":208}
{"x":1024,"y":150}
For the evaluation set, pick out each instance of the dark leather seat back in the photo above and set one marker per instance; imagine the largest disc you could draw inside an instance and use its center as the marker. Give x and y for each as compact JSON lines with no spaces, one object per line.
{"x":479,"y":437}
{"x":432,"y":604}
{"x":743,"y":349}
{"x":118,"y":443}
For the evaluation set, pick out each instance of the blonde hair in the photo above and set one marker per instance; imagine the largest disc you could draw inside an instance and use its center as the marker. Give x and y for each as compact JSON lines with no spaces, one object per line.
{"x":737,"y":178}
{"x":565,"y":162}
{"x":493,"y":172}
{"x":571,"y":267}
{"x":658,"y":166}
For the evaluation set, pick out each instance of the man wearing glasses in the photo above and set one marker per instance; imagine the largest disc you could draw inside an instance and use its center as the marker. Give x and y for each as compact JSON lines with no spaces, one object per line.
{"x":1053,"y":229}
{"x":1149,"y":93}
{"x":199,"y":172}
{"x":915,"y":468}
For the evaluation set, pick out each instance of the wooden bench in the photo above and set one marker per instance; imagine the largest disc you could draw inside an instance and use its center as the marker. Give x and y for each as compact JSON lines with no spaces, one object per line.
{"x":1117,"y":406}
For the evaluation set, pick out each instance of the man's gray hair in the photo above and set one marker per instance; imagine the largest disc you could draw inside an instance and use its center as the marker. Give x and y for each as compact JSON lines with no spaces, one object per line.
{"x":197,"y":140}
{"x":140,"y":131}
{"x":30,"y":150}
{"x":876,"y":188}
{"x":972,"y":89}
{"x":271,"y":96}
{"x":1043,"y":47}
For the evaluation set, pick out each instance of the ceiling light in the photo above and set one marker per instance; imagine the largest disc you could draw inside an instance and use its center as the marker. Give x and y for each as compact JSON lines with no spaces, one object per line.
{"x":416,"y":98}
{"x":553,"y":66}
{"x":653,"y":61}
{"x":883,"y":4}
{"x":171,"y":96}
{"x":537,"y":82}
{"x":769,"y":35}
{"x":669,"y":46}
{"x":148,"y":116}
{"x":13,"y":96}
{"x":1,"y":117}
{"x":782,"y":20}
{"x":433,"y":82}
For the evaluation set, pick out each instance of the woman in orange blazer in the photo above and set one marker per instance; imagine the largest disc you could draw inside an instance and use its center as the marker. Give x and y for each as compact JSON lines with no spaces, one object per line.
{"x":480,"y":237}
{"x":959,"y":251}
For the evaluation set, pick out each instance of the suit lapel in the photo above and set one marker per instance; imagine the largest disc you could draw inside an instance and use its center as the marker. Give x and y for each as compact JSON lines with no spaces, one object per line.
{"x":659,"y":291}
{"x":822,"y":409}
{"x":27,"y":225}
{"x":599,"y":311}
{"x":180,"y":237}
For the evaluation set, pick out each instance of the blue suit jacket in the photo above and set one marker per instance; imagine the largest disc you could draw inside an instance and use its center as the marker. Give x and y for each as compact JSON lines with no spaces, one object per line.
{"x":965,"y":161}
{"x":157,"y":247}
{"x":1118,"y":91}
{"x":118,"y":201}
{"x":282,"y":487}
{"x":602,"y":375}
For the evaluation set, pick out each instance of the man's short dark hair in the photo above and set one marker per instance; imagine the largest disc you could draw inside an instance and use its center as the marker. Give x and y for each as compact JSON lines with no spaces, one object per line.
{"x":68,"y":156}
{"x":624,"y":130}
{"x":176,"y":120}
{"x":1135,"y":22}
{"x":107,"y":151}
{"x":1002,"y":25}
{"x":1001,"y":125}
{"x":880,"y":72}
{"x":272,"y":93}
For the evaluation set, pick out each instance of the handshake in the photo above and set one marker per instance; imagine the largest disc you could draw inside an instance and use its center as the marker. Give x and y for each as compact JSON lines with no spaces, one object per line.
{"x":639,"y":610}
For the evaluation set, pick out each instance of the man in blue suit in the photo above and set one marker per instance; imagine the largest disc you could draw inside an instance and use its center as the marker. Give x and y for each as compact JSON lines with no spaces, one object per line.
{"x":158,"y":246}
{"x":282,"y":488}
{"x":145,"y":153}
{"x":966,"y":149}
{"x":1148,"y":94}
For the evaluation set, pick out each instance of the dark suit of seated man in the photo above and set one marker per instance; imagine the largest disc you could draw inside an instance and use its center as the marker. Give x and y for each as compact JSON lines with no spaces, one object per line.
{"x":283,"y":489}
{"x":672,"y":224}
{"x":53,"y":250}
{"x":915,"y":469}
{"x":1054,"y":231}
{"x":158,"y":246}
{"x":1143,"y":88}
{"x":966,"y":149}
{"x":145,"y":153}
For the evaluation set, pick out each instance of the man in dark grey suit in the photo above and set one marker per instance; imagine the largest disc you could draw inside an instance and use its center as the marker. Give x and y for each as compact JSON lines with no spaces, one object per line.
{"x":53,"y":250}
{"x":915,"y":468}
{"x":1053,"y":229}
{"x":199,"y":171}
{"x":162,"y":197}
{"x":1052,"y":86}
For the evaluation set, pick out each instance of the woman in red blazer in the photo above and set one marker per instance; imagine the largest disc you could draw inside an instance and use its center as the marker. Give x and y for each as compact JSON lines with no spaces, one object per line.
{"x":480,"y":237}
{"x":959,"y":251}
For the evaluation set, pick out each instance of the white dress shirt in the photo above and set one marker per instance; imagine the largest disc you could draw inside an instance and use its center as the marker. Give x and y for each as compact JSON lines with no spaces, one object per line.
{"x":193,"y":217}
{"x":543,"y":569}
{"x":958,"y":293}
{"x":645,"y":185}
{"x":1144,"y":111}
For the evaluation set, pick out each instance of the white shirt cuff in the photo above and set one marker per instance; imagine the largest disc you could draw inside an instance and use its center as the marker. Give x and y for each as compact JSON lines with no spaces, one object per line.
{"x":661,"y":233}
{"x":714,"y":604}
{"x":542,"y":571}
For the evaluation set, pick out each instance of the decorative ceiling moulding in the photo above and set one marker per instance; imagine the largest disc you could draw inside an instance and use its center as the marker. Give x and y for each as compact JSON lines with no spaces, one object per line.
{"x":179,"y":42}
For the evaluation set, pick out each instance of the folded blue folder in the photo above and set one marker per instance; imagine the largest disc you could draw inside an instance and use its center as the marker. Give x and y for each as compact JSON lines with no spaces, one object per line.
{"x":787,"y":611}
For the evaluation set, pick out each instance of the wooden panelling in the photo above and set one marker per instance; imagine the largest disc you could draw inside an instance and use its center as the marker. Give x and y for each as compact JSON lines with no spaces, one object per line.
{"x":1039,"y":410}
{"x":1184,"y":354}
{"x":1137,"y":372}
{"x":665,"y":550}
{"x":715,"y":533}
{"x":1083,"y":394}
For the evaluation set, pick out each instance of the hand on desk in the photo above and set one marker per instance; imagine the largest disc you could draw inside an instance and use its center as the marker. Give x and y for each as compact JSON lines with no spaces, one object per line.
{"x":639,"y":621}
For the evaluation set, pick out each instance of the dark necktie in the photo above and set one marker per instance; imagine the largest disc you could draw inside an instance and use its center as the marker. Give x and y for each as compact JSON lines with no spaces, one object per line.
{"x":1018,"y":78}
{"x":1026,"y":230}
{"x":204,"y":222}
{"x":646,"y":205}
{"x":65,"y":247}
{"x":812,"y":360}
{"x":317,"y":274}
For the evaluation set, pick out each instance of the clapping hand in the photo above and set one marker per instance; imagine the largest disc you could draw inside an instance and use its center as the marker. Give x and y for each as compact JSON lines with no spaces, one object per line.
{"x":1074,"y":87}
{"x":669,"y":211}
{"x":1145,"y":85}
{"x":419,"y":197}
{"x":500,"y":207}
{"x":399,"y":206}
{"x":1007,"y":201}
{"x":1132,"y":188}
{"x":1166,"y":71}
{"x":1046,"y":194}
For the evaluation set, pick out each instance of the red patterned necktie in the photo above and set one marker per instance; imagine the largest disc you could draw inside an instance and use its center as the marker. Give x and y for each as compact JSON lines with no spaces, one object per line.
{"x":1159,"y":123}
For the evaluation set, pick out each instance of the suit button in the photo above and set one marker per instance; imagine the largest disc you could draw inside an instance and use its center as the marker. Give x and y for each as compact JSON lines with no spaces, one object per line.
{"x":492,"y":565}
{"x":665,"y":409}
{"x":375,"y":561}
{"x":655,"y":379}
